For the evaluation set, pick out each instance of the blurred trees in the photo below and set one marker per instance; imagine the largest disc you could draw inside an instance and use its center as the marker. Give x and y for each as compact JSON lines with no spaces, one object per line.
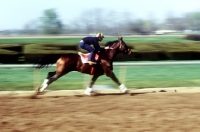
{"x":31,"y":27}
{"x":192,"y":20}
{"x":50,"y":23}
{"x":110,"y":22}
{"x":116,"y":23}
{"x":94,"y":20}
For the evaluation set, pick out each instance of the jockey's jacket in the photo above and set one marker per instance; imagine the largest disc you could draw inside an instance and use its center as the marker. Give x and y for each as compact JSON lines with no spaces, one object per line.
{"x":92,"y":40}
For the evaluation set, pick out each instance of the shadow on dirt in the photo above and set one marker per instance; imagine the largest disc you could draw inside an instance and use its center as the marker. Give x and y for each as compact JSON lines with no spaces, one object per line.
{"x":96,"y":93}
{"x":115,"y":94}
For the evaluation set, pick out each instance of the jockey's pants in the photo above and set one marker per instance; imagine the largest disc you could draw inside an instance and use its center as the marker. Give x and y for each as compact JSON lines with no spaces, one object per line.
{"x":89,"y":49}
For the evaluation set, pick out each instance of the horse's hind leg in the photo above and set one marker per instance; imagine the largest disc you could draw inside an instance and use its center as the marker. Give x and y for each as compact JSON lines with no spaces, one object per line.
{"x":88,"y":90}
{"x":51,"y":77}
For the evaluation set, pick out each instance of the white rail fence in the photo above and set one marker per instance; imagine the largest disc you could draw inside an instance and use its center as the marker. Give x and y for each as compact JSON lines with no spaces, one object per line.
{"x":149,"y":63}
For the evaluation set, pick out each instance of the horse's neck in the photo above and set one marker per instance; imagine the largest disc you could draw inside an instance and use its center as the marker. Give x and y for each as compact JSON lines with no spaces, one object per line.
{"x":111,"y":54}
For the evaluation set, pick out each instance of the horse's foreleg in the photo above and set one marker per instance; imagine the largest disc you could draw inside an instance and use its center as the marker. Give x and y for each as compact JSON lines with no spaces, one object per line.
{"x":88,"y":90}
{"x":110,"y":73}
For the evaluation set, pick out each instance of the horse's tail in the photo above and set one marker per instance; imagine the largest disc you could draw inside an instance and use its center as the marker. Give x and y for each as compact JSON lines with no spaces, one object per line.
{"x":46,"y":61}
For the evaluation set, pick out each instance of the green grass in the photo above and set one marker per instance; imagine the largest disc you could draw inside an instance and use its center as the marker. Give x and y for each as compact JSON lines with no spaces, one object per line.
{"x":135,"y":77}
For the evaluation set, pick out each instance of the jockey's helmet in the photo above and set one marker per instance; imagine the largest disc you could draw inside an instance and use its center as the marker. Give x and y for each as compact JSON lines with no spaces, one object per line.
{"x":100,"y":36}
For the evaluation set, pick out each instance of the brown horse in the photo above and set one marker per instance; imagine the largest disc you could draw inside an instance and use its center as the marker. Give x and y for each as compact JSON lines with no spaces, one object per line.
{"x":72,"y":62}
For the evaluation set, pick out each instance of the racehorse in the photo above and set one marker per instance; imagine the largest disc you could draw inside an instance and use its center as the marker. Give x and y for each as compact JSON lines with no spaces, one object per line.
{"x":72,"y":62}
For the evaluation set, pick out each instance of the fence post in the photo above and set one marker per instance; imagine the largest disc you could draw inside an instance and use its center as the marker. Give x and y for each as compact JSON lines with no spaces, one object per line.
{"x":122,"y":74}
{"x":36,"y":79}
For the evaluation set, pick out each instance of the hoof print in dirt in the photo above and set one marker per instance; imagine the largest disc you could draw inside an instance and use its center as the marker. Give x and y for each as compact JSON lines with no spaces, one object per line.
{"x":162,"y":91}
{"x":34,"y":96}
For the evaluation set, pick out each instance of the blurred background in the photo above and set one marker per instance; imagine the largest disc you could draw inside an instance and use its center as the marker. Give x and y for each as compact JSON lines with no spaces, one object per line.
{"x":114,"y":17}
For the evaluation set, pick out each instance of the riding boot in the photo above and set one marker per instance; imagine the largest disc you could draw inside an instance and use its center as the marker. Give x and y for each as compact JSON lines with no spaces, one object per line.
{"x":91,"y":58}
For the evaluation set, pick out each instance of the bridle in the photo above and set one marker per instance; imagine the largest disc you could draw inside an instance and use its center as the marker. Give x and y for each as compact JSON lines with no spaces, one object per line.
{"x":120,"y":46}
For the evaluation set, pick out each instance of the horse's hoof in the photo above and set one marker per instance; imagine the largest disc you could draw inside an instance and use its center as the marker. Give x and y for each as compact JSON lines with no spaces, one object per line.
{"x":127,"y":91}
{"x":93,"y":93}
{"x":39,"y":93}
{"x":37,"y":89}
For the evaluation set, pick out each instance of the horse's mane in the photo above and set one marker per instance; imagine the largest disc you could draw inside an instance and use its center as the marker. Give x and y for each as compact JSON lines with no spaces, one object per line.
{"x":110,"y":43}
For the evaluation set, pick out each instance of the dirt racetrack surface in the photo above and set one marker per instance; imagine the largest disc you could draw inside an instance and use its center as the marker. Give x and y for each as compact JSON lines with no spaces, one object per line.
{"x":152,"y":112}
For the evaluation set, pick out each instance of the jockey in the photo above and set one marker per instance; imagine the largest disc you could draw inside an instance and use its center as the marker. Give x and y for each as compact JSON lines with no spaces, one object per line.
{"x":87,"y":41}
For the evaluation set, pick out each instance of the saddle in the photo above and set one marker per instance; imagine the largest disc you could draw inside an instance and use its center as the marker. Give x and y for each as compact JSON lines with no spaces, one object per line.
{"x":84,"y":57}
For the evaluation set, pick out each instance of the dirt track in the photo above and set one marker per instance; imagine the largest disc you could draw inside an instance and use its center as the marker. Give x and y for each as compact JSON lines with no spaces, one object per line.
{"x":153,"y":112}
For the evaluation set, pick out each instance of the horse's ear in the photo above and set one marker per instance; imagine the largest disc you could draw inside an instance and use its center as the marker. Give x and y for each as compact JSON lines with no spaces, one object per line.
{"x":120,"y":38}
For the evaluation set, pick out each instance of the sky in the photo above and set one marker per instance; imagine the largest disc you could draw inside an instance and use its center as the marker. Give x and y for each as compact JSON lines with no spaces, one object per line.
{"x":14,"y":14}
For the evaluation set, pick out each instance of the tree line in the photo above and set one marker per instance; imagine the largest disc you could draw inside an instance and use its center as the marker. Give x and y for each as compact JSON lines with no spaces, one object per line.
{"x":110,"y":23}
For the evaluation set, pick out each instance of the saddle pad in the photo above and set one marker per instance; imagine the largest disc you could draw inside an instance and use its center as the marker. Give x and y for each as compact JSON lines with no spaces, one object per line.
{"x":84,"y":57}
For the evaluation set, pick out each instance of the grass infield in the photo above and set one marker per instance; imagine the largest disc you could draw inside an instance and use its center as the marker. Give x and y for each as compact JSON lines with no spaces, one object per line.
{"x":133,"y":77}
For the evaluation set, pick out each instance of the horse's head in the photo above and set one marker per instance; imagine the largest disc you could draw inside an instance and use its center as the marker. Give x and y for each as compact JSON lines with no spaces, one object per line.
{"x":119,"y":45}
